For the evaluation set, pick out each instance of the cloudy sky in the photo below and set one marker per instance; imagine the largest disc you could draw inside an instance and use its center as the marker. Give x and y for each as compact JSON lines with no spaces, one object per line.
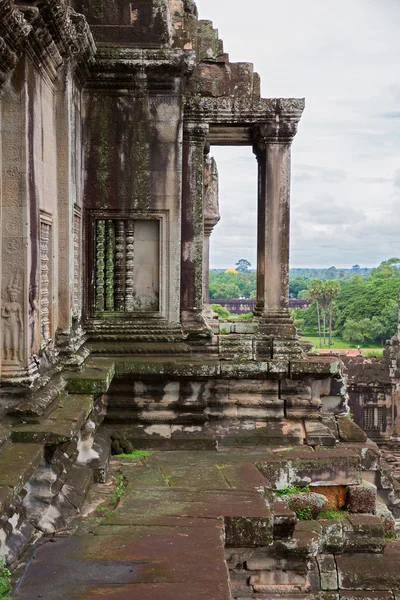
{"x":344,"y":57}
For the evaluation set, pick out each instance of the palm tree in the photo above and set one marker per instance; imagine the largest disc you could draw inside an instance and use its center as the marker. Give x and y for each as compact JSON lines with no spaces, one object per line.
{"x":315,"y":288}
{"x":331,"y":292}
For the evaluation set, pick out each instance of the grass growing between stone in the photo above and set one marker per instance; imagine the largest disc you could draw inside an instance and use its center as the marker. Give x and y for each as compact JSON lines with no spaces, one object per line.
{"x":292,"y":489}
{"x":134,"y":454}
{"x":107,"y":508}
{"x":331,"y":513}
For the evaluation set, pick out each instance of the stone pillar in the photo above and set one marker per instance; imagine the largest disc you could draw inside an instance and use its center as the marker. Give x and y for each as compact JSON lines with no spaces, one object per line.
{"x":194,"y":138}
{"x":211,"y":218}
{"x":70,"y":335}
{"x":19,"y":235}
{"x":273,"y":151}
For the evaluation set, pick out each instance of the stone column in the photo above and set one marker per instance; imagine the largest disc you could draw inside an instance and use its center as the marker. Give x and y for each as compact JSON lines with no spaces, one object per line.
{"x":273,"y":150}
{"x":19,"y":234}
{"x":192,"y":239}
{"x":70,"y":335}
{"x":211,"y":218}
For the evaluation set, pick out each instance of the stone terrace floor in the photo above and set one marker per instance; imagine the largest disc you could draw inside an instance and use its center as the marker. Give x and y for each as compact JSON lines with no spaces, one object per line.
{"x":165,"y":539}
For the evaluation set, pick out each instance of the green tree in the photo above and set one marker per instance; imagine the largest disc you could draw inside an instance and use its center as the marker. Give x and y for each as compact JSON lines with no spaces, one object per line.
{"x":221,"y":311}
{"x":243,"y":266}
{"x":303,"y":295}
{"x":352,"y":332}
{"x":331,"y":292}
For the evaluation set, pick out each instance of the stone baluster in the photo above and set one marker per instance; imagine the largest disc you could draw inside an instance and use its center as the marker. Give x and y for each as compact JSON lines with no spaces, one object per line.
{"x":194,"y":138}
{"x":129,"y":266}
{"x":100,"y":264}
{"x":120,"y":250}
{"x":110,"y":259}
{"x":273,"y":151}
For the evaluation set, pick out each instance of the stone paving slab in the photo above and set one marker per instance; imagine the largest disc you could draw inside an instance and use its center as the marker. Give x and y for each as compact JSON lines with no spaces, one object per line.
{"x":165,"y":540}
{"x":215,"y":590}
{"x":130,"y":555}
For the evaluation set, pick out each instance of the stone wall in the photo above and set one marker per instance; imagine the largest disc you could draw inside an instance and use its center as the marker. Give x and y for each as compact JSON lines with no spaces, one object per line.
{"x":371,"y":395}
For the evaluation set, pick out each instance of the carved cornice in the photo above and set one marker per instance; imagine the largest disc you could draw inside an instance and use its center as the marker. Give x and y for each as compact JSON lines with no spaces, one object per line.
{"x":196,"y":133}
{"x":51,"y":34}
{"x":116,"y":66}
{"x":242,"y":111}
{"x":13,"y":31}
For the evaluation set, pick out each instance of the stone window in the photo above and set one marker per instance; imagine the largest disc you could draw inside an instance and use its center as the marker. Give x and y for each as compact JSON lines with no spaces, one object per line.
{"x":373,"y":418}
{"x":126,"y":256}
{"x":77,"y":263}
{"x":45,"y":282}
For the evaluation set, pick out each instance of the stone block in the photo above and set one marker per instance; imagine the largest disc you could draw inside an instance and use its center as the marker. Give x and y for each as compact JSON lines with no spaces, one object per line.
{"x":248,"y":532}
{"x":334,"y":405}
{"x":361,"y":498}
{"x":284,"y":521}
{"x":328,"y":572}
{"x":350,"y":431}
{"x":306,"y":540}
{"x":366,"y":595}
{"x":326,"y":468}
{"x":332,"y":536}
{"x":388,"y":520}
{"x":17,"y":463}
{"x":307,"y":506}
{"x":267,"y":582}
{"x":363,"y":533}
{"x":318,"y":367}
{"x":368,"y":572}
{"x":318,"y":434}
{"x":95,"y":378}
{"x":285,"y":432}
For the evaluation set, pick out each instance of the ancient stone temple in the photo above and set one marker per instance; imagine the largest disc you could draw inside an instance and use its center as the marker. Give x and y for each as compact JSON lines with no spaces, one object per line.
{"x":109,"y":196}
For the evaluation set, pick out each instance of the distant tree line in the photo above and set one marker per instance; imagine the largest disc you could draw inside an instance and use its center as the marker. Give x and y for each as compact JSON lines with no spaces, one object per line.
{"x":358,"y":305}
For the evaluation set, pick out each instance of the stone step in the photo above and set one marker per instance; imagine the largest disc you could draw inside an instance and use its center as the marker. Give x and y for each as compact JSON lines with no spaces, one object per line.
{"x":156,"y":417}
{"x":17,"y":464}
{"x":125,"y":345}
{"x":95,"y":378}
{"x":63,"y":423}
{"x":40,"y":401}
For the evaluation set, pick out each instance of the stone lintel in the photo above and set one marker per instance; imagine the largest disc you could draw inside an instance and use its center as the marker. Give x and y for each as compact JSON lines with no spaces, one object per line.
{"x":243,"y":111}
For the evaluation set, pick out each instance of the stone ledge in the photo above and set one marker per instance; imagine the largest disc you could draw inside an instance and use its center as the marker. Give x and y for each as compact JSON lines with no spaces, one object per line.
{"x":61,"y":425}
{"x":17,"y":464}
{"x":95,"y":378}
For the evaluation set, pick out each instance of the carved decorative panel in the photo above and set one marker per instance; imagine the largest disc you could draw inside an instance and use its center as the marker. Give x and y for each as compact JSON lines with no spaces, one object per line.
{"x":77,"y":264}
{"x":45,"y":282}
{"x":126,"y":265}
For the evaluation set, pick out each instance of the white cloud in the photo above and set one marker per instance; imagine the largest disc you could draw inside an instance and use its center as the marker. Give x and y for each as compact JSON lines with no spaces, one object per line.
{"x":343,"y":57}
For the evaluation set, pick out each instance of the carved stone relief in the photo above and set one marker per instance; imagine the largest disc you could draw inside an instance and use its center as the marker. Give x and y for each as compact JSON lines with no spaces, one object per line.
{"x":12,"y":321}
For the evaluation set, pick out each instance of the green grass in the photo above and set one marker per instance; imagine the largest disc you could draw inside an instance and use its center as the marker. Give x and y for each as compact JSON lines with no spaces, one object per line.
{"x":338,"y":343}
{"x":246,"y":317}
{"x":378,"y":352}
{"x":292,"y":489}
{"x":120,"y":486}
{"x":134,"y":454}
{"x":5,"y":580}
